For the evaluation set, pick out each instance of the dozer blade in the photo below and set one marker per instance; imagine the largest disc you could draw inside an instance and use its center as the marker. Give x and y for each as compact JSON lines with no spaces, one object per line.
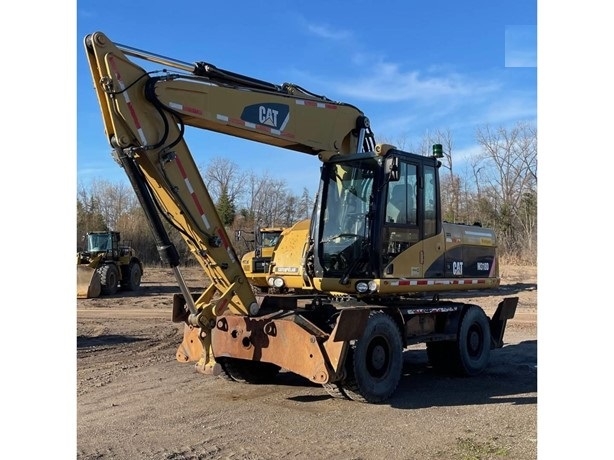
{"x":88,"y":282}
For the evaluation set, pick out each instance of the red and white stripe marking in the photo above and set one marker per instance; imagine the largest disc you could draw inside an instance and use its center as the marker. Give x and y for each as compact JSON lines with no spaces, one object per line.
{"x":226,"y":245}
{"x":436,"y":282}
{"x":192,"y":193}
{"x":254,"y":126}
{"x":201,"y":211}
{"x":126,"y":97}
{"x":179,"y":164}
{"x":318,"y":105}
{"x":185,"y":108}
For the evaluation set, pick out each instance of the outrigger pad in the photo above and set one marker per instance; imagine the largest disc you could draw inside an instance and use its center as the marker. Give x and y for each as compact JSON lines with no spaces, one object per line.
{"x":505,"y":310}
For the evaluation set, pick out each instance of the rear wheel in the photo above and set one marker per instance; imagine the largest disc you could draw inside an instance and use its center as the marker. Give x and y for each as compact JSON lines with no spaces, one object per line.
{"x":132,"y":277}
{"x":375,"y":361}
{"x":470,"y":353}
{"x":243,"y":371}
{"x":473,"y":350}
{"x":109,"y":279}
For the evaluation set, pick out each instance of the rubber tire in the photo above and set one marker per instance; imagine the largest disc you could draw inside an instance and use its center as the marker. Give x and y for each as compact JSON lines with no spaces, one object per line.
{"x":335,"y":391}
{"x":374,"y":363}
{"x":133,"y":277}
{"x":473,"y":343}
{"x":243,"y":371}
{"x":109,"y":279}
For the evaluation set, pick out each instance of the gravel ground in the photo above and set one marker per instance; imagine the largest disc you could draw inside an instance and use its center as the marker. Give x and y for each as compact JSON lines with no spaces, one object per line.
{"x":135,"y":401}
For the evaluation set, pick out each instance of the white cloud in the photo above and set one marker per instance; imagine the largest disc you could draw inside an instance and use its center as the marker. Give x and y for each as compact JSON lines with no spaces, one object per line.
{"x":510,"y":108}
{"x":390,"y":84}
{"x":460,"y":156}
{"x":329,"y":33}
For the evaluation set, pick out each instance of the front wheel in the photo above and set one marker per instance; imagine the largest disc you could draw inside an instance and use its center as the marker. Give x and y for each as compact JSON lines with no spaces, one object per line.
{"x":375,"y":361}
{"x":109,"y":279}
{"x":244,"y":371}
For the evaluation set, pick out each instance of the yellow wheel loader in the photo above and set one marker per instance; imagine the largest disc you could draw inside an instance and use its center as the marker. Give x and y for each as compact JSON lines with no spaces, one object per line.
{"x":104,"y":266}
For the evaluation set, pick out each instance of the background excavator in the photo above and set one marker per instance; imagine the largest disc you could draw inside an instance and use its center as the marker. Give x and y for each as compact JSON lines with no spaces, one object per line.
{"x":286,"y":271}
{"x":378,"y":268}
{"x":255,"y":263}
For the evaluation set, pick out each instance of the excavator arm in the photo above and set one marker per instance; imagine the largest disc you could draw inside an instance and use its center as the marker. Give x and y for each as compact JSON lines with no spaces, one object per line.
{"x":145,"y":114}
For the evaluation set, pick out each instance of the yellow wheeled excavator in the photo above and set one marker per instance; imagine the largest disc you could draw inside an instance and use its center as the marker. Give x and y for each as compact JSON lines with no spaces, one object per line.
{"x":378,"y":256}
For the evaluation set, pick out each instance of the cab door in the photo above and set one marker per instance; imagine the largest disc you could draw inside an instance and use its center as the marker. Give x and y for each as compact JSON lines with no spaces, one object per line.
{"x":433,"y":244}
{"x":411,"y":218}
{"x":402,"y":235}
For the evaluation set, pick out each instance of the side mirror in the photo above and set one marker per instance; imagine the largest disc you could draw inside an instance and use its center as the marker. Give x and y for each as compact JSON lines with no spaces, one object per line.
{"x":393,"y":173}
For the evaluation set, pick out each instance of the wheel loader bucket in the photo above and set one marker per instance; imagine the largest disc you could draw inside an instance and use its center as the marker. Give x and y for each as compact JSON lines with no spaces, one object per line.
{"x":88,"y":282}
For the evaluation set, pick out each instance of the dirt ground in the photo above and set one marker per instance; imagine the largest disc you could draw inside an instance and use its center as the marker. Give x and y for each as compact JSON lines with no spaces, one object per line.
{"x":135,"y":401}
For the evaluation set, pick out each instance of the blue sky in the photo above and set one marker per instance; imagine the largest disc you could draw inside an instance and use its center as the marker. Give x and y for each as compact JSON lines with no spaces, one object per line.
{"x":410,"y":68}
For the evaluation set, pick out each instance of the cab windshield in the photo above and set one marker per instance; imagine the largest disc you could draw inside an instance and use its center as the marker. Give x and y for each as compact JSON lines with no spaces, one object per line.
{"x":345,"y":218}
{"x":270,"y":239}
{"x":98,"y":243}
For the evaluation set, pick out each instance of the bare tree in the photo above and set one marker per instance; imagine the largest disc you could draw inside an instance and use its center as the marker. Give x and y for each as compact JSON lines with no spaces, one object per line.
{"x":305,"y":205}
{"x":225,"y":175}
{"x":507,"y":170}
{"x":114,"y":199}
{"x":451,"y":191}
{"x":101,"y":205}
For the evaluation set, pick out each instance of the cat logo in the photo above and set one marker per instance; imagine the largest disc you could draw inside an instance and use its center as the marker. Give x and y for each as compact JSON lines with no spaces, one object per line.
{"x":268,"y":116}
{"x":275,"y":116}
{"x":457,"y":268}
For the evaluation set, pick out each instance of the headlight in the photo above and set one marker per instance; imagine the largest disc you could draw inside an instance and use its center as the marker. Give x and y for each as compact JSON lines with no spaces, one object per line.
{"x":270,"y":281}
{"x":366,"y":286}
{"x":278,"y":282}
{"x":362,"y":287}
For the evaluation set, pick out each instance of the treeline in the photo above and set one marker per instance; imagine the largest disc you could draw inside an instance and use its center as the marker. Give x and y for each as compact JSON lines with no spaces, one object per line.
{"x":495,"y":186}
{"x":244,"y":201}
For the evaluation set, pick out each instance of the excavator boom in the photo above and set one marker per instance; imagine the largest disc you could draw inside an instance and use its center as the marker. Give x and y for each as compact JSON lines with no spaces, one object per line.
{"x":204,"y":96}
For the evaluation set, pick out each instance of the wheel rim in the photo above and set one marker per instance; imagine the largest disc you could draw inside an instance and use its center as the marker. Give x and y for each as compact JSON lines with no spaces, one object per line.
{"x":136,"y":277}
{"x":378,"y":357}
{"x":475,"y":341}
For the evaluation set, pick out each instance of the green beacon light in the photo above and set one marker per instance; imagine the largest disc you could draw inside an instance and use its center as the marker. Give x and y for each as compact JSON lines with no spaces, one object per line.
{"x":437,"y":150}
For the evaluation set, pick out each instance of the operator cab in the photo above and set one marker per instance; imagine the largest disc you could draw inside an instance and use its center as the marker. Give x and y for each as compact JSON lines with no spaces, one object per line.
{"x":102,"y":242}
{"x":372,"y":210}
